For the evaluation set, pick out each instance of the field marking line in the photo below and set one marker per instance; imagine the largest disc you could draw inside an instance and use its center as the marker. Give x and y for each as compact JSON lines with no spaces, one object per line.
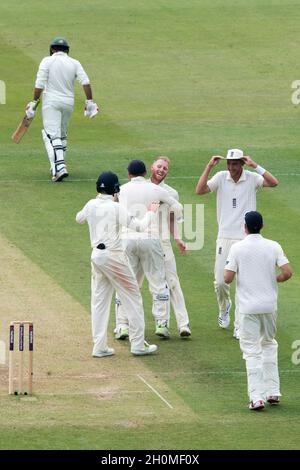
{"x":155,"y":391}
{"x":85,"y":180}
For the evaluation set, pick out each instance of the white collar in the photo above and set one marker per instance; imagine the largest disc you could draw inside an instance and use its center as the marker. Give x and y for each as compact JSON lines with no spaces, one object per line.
{"x":242,"y":177}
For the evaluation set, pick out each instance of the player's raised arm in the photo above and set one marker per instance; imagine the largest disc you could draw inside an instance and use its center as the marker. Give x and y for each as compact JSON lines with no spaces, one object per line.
{"x":202,"y":187}
{"x":269,"y":180}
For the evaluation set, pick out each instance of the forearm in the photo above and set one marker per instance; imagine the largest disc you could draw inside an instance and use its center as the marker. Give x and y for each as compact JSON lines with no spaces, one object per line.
{"x":228,"y":276}
{"x":88,"y":91}
{"x":269,"y":179}
{"x":285,"y":273}
{"x":202,"y":187}
{"x":37,"y":93}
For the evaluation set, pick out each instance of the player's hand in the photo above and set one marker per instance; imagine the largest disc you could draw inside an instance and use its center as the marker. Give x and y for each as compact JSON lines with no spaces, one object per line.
{"x":154,"y":206}
{"x":248,"y":161}
{"x":215,"y":160}
{"x":30,"y":109}
{"x":91,"y":109}
{"x":182,"y":246}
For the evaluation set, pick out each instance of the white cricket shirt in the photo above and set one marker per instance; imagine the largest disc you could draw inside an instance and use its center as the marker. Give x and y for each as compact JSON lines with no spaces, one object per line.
{"x":137,"y":195}
{"x":234,"y":200}
{"x":164,"y":214}
{"x":57,"y":73}
{"x":254,"y":261}
{"x":105,"y":218}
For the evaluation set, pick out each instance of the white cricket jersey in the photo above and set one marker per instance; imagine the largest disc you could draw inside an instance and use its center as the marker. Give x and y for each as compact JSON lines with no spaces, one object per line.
{"x":164,"y":215}
{"x":254,"y":259}
{"x":105,"y":218}
{"x":137,"y":195}
{"x":234,"y":200}
{"x":57,"y":73}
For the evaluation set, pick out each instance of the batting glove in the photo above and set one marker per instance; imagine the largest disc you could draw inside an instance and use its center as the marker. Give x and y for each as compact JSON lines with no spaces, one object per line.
{"x":91,"y":109}
{"x":30,"y":109}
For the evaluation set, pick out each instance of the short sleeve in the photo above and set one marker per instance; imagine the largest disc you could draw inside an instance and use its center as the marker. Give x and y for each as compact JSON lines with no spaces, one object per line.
{"x":214,"y":182}
{"x":281,"y":259}
{"x":258,"y":180}
{"x":231,"y":263}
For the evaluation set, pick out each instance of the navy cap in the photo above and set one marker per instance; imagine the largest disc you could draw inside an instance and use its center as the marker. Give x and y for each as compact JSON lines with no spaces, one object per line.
{"x":136,"y":168}
{"x":254,"y":221}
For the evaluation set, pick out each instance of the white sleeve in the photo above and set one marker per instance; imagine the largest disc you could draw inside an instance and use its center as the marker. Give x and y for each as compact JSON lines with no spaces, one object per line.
{"x":82,"y":215}
{"x":258,"y":180}
{"x":214,"y":182}
{"x":164,"y":196}
{"x":42,"y":74}
{"x":281,"y":259}
{"x":231,"y":262}
{"x":139,"y":225}
{"x":81,"y":75}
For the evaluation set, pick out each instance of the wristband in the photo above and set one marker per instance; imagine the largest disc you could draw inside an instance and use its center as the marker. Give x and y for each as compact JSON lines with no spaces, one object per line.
{"x":260,"y":170}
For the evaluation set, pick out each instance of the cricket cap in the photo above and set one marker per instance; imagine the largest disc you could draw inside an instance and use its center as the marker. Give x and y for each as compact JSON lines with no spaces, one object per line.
{"x":254,"y":221}
{"x":136,"y":168}
{"x":234,"y":154}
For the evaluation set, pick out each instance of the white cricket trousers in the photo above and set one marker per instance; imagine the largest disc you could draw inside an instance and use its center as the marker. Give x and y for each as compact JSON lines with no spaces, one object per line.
{"x":222,"y":290}
{"x":56,"y":116}
{"x":111,"y":271}
{"x":146,"y":256}
{"x":176,"y":294}
{"x":260,"y":351}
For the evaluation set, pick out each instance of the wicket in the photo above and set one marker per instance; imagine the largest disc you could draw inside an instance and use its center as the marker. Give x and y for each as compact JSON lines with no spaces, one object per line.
{"x":20,"y":390}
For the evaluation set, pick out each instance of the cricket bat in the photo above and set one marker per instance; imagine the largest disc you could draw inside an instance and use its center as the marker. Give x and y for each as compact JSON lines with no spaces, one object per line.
{"x":23,"y":126}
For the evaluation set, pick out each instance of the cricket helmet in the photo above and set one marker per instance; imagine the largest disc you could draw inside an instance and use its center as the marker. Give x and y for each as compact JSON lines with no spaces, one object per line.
{"x":60,"y":44}
{"x":108,"y":183}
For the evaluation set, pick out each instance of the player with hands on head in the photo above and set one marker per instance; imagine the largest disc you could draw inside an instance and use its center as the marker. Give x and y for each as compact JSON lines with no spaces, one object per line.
{"x":55,"y":79}
{"x":236,"y":194}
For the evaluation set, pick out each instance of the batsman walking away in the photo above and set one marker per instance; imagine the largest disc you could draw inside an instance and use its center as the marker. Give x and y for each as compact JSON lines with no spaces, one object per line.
{"x":55,"y":79}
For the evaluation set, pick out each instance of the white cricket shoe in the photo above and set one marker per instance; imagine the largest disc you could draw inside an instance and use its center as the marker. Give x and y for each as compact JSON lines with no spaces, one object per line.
{"x":60,"y":175}
{"x":162,"y":330}
{"x":105,"y":352}
{"x":273,"y":399}
{"x":224,"y":317}
{"x":185,"y":331}
{"x":122,"y":333}
{"x":149,"y":349}
{"x":257,"y":406}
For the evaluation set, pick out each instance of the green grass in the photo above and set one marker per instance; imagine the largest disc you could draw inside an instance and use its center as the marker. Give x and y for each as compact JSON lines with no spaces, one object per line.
{"x":189,"y":80}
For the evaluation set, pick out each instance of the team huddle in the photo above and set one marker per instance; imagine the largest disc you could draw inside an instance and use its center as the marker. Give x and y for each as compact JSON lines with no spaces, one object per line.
{"x":131,"y":228}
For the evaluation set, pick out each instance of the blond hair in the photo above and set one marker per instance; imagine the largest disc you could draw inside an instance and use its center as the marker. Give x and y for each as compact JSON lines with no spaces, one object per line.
{"x":164,"y":158}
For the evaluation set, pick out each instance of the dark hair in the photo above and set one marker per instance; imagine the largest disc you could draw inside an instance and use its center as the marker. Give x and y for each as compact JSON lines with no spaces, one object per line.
{"x":253,"y":221}
{"x":136,"y":168}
